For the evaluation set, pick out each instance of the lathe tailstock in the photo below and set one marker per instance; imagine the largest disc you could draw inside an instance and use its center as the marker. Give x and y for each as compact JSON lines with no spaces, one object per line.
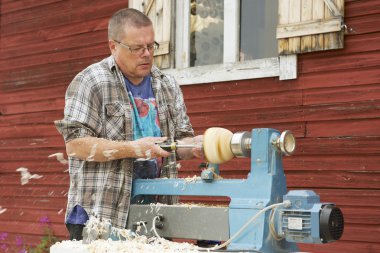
{"x":261,"y":217}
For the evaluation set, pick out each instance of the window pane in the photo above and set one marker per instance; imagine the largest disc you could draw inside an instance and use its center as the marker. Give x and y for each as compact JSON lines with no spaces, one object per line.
{"x":206,"y":32}
{"x":258,"y":21}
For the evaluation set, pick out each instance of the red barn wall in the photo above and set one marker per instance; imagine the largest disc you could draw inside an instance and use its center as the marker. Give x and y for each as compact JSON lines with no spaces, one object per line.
{"x":333,"y":107}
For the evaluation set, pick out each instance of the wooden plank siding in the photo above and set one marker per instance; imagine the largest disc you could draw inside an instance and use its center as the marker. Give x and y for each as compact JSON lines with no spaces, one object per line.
{"x":333,"y":107}
{"x":43,"y":45}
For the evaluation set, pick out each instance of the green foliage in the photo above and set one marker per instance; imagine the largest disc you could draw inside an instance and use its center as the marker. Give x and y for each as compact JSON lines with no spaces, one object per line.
{"x":46,"y":242}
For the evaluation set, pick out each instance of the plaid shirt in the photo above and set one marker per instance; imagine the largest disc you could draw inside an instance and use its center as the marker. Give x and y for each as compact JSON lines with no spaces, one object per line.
{"x":97,"y":105}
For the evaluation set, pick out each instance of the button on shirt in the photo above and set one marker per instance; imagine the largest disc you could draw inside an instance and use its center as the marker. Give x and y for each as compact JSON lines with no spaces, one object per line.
{"x":97,"y":105}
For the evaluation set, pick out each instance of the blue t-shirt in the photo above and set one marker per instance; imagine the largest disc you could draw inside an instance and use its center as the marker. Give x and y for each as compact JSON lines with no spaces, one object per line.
{"x":145,"y":124}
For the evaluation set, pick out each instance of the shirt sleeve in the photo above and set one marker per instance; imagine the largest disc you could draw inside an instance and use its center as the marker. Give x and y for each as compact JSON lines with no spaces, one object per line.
{"x":183,"y":127}
{"x":82,"y":117}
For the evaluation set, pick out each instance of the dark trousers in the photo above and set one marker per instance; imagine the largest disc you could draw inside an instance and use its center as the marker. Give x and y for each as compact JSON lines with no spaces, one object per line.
{"x":75,"y":231}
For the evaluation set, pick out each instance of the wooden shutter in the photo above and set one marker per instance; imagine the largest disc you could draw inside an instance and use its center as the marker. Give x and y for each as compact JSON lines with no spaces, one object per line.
{"x":310,"y":25}
{"x":159,"y":11}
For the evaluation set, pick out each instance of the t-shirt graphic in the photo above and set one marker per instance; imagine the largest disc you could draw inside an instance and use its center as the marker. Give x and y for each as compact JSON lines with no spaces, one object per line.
{"x":147,"y":122}
{"x":145,"y":119}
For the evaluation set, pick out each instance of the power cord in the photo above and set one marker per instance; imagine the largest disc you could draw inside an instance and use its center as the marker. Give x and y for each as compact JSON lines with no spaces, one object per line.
{"x":272,"y":229}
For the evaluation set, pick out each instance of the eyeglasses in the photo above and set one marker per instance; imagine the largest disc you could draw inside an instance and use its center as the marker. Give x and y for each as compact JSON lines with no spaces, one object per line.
{"x":140,"y":50}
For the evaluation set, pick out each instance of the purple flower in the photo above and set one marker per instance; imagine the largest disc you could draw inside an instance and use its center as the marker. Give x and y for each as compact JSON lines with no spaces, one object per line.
{"x":19,"y":241}
{"x":23,"y":251}
{"x":44,"y":220}
{"x":3,"y":235}
{"x":3,"y":246}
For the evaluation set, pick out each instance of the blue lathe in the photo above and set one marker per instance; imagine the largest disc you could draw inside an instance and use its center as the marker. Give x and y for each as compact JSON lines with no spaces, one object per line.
{"x":261,"y":217}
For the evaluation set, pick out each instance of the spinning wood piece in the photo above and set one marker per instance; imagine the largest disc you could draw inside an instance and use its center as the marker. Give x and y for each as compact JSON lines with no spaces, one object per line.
{"x":217,"y":145}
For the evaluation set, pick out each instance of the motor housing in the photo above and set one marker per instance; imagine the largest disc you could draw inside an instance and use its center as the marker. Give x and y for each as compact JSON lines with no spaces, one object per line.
{"x":309,"y":221}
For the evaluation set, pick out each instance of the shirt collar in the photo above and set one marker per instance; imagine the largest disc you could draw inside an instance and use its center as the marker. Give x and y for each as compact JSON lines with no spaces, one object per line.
{"x":155,"y":72}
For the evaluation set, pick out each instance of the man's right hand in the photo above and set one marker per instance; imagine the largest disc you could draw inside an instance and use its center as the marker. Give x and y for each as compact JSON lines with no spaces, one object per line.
{"x":147,"y":147}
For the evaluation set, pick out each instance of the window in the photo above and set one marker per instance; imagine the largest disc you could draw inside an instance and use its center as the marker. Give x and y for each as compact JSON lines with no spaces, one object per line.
{"x":206,"y":32}
{"x":220,"y":40}
{"x":257,"y":35}
{"x":258,"y":23}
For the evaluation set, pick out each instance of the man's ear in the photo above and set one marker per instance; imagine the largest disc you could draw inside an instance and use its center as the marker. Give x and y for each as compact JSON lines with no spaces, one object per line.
{"x":112,"y":46}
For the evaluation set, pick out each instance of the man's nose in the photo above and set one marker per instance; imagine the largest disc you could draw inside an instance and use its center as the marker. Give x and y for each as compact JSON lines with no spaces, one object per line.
{"x":146,"y":52}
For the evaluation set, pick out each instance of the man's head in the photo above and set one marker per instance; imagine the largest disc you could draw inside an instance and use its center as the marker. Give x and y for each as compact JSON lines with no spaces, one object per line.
{"x":131,"y":41}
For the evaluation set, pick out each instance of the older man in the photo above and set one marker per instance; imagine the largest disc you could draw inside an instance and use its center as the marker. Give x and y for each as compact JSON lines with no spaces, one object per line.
{"x":116,"y":112}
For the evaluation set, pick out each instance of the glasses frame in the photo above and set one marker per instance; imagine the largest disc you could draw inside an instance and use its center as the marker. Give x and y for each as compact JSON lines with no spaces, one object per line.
{"x":139,"y":50}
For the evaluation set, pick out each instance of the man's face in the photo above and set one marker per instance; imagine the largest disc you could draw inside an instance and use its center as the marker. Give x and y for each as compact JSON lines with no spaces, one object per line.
{"x":134,"y":65}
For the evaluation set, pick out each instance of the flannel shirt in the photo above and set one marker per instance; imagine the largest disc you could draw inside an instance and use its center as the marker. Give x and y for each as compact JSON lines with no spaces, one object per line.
{"x":97,"y":105}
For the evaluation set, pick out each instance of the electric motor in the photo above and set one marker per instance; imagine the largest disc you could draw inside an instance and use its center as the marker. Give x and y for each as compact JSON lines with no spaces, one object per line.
{"x":309,"y":221}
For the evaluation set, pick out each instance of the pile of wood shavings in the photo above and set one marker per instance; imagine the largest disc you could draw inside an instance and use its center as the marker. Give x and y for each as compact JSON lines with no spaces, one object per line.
{"x":141,"y":244}
{"x":130,"y":243}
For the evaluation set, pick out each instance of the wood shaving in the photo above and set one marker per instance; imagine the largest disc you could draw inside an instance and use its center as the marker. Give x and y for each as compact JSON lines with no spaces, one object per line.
{"x":96,"y":229}
{"x":59,"y":157}
{"x":109,"y":153}
{"x":192,"y":179}
{"x":26,"y":176}
{"x":91,"y":156}
{"x":141,"y":224}
{"x":137,"y":149}
{"x":148,"y":154}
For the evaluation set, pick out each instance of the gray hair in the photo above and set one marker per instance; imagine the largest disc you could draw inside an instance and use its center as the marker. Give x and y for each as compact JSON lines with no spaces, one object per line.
{"x":126,"y":17}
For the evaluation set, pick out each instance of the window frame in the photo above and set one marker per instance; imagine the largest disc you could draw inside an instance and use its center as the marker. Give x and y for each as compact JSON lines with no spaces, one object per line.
{"x":284,"y":67}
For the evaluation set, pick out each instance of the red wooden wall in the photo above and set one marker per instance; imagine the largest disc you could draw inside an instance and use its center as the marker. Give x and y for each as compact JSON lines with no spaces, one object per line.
{"x":333,"y":108}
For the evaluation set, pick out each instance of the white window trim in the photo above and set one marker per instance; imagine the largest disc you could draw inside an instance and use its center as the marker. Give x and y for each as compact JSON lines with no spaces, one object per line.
{"x":232,"y":28}
{"x":284,"y":67}
{"x":182,"y":34}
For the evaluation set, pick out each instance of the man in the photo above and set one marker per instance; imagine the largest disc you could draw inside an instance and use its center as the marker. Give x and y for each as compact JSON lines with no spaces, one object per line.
{"x":116,"y":112}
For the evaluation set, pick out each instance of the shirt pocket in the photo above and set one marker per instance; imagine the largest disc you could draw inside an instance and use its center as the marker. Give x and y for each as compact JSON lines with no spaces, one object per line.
{"x":114,"y":121}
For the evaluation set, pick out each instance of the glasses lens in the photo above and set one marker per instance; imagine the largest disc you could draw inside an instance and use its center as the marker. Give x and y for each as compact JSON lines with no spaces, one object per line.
{"x":141,"y":50}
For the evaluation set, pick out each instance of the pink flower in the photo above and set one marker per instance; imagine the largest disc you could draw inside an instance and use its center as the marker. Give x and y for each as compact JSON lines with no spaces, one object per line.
{"x":19,"y":241}
{"x":4,"y":247}
{"x":44,"y":220}
{"x":3,"y":235}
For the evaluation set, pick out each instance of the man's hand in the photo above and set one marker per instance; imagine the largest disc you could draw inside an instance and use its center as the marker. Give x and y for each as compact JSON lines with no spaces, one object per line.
{"x":198,"y":150}
{"x":147,"y":148}
{"x":187,"y":153}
